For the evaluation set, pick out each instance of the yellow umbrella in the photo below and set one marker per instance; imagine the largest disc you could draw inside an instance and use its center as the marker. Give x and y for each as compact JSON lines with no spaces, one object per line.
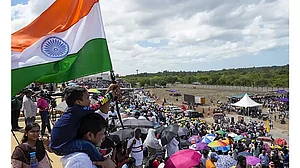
{"x":93,"y":90}
{"x":228,"y":141}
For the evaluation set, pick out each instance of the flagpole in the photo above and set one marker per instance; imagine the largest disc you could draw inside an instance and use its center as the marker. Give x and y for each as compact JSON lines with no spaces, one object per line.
{"x":113,"y":80}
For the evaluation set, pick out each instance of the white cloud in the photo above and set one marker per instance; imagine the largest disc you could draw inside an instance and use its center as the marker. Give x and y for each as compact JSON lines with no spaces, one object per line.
{"x":195,"y":31}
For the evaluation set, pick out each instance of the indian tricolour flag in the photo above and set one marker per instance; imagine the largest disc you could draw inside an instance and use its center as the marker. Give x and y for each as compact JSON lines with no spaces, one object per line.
{"x":65,"y":42}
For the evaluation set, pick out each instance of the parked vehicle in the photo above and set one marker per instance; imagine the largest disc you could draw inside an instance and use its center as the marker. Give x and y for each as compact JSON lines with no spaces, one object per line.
{"x":194,"y":114}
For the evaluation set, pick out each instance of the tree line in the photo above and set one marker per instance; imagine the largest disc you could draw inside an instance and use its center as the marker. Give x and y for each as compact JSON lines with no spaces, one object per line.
{"x":272,"y":76}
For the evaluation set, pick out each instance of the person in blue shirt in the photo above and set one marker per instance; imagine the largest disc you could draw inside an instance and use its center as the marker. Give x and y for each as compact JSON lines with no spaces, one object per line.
{"x":64,"y":138}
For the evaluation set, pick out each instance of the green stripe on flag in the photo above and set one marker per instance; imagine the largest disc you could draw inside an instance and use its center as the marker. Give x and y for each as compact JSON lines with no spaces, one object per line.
{"x":92,"y":58}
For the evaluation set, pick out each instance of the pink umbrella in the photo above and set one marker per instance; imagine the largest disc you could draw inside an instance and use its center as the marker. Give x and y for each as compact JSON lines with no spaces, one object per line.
{"x":252,"y":160}
{"x":184,"y":159}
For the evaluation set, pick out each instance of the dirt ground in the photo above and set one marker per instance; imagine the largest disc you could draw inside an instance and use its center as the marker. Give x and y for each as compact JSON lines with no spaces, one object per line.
{"x":162,"y":93}
{"x":209,"y":94}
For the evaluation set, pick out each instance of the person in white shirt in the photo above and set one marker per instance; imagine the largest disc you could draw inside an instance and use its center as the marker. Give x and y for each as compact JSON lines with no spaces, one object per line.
{"x":135,"y":148}
{"x":95,"y":135}
{"x":29,"y":107}
{"x":112,"y":114}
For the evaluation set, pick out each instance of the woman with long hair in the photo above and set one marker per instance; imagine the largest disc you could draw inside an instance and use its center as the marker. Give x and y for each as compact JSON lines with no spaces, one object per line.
{"x":31,"y":142}
{"x":43,"y":106}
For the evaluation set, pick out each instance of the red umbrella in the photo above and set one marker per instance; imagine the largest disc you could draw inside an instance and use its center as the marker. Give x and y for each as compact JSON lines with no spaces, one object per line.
{"x":280,"y":142}
{"x":184,"y":159}
{"x":267,"y":139}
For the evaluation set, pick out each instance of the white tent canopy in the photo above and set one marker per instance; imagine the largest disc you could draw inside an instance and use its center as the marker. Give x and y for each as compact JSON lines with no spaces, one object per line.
{"x":246,"y":101}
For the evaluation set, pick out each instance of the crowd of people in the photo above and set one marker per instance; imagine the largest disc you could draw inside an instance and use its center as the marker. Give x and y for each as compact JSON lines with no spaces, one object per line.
{"x":75,"y":137}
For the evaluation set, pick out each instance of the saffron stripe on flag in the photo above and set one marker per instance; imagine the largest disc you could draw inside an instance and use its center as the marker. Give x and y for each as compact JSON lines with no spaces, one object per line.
{"x":87,"y":28}
{"x":59,"y":17}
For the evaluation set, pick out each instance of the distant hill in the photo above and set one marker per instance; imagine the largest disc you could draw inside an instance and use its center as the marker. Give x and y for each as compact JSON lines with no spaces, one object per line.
{"x":273,"y":76}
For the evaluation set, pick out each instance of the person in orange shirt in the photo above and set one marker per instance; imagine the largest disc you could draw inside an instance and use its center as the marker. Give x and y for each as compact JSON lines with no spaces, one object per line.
{"x":210,"y":163}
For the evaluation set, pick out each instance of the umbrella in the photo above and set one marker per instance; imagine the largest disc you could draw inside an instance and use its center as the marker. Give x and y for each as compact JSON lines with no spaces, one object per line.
{"x":225,"y":161}
{"x":217,"y":143}
{"x":221,"y":132}
{"x":168,"y":133}
{"x":170,"y":128}
{"x":184,"y":143}
{"x":267,"y":139}
{"x":237,"y":138}
{"x":207,"y":138}
{"x":184,"y":159}
{"x":133,"y":123}
{"x":228,"y":141}
{"x":159,"y":130}
{"x":122,"y":134}
{"x":244,"y":154}
{"x":252,"y":160}
{"x":201,"y":146}
{"x":232,"y":134}
{"x":93,"y":90}
{"x":193,"y":139}
{"x":223,"y":148}
{"x":183,"y":131}
{"x":280,"y":142}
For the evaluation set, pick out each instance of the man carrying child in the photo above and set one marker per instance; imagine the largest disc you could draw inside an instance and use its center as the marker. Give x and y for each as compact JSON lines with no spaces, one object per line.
{"x":64,"y":135}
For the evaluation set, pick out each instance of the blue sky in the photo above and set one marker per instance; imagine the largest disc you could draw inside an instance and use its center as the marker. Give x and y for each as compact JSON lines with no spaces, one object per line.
{"x":15,"y":2}
{"x":190,"y":35}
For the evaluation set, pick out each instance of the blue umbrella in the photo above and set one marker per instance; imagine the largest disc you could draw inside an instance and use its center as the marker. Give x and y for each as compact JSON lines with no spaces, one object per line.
{"x":223,"y":149}
{"x":207,"y":138}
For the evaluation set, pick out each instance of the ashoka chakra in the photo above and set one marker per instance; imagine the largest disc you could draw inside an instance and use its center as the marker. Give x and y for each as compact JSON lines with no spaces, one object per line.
{"x":55,"y":47}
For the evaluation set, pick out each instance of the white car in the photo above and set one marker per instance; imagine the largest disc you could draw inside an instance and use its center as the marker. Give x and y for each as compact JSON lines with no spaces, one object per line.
{"x":177,"y":110}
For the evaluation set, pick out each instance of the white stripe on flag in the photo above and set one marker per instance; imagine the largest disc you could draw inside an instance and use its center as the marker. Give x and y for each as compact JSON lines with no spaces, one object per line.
{"x":86,"y":29}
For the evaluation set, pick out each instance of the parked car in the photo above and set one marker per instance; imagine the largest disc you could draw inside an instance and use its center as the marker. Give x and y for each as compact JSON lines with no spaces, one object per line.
{"x":194,"y":114}
{"x":176,"y":110}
